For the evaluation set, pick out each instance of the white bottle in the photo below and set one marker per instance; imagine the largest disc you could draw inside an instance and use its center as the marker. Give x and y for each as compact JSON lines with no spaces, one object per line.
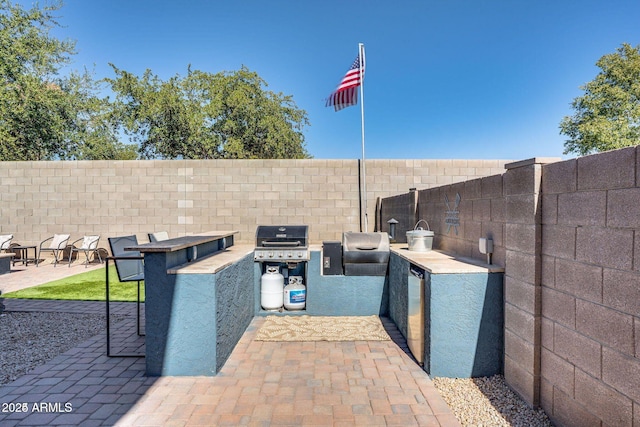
{"x":271,"y":289}
{"x":295,"y":294}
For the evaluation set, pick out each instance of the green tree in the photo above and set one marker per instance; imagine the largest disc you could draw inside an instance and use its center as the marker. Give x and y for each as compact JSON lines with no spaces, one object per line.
{"x":607,"y":116}
{"x":45,"y":115}
{"x":228,"y":115}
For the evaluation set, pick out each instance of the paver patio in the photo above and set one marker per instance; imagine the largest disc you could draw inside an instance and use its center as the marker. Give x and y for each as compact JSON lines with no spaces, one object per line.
{"x":262,"y":383}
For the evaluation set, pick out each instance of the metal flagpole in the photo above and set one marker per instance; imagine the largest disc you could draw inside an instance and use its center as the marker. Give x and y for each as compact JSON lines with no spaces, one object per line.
{"x":364,"y":170}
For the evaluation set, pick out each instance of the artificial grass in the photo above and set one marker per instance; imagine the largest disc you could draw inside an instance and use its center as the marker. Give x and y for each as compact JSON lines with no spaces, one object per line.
{"x":89,"y":286}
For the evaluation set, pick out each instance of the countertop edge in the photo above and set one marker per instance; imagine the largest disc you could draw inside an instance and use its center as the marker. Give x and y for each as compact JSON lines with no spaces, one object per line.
{"x":215,"y":262}
{"x":180,"y":243}
{"x":435,"y":261}
{"x":440,"y":262}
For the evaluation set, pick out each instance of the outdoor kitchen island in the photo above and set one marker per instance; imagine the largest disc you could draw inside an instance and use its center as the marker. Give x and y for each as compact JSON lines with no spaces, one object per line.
{"x":462,"y":311}
{"x":196,"y":308}
{"x":200,"y":301}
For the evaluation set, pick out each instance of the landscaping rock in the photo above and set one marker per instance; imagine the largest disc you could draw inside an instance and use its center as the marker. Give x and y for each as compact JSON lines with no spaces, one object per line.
{"x":488,"y":401}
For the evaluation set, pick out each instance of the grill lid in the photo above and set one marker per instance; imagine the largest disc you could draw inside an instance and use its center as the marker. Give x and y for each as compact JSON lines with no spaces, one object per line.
{"x":282,"y":236}
{"x":359,"y":248}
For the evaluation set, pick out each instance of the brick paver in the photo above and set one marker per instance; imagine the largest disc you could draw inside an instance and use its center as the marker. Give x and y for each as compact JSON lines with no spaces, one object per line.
{"x":263,"y":383}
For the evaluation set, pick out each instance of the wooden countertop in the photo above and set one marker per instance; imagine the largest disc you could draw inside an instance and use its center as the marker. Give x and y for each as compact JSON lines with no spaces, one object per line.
{"x":178,"y":243}
{"x":437,"y":262}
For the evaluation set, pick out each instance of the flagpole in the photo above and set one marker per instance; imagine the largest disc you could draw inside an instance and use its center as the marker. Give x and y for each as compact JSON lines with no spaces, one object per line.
{"x":364,"y":170}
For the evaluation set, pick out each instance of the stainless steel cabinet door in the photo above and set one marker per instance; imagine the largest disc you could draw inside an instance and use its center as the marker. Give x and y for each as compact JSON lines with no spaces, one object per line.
{"x":415,"y":313}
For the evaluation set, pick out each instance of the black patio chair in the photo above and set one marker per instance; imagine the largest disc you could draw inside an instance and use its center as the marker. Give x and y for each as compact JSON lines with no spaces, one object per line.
{"x":130,"y":268}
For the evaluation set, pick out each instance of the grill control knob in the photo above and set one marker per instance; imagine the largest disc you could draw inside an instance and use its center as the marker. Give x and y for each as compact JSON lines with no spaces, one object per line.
{"x":270,"y":254}
{"x":289,"y":255}
{"x":300,"y":254}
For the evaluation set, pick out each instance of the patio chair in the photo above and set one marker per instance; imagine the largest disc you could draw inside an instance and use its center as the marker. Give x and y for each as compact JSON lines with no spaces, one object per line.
{"x":5,"y":241}
{"x":56,"y":246}
{"x":159,"y":236}
{"x":130,"y":268}
{"x":89,"y":245}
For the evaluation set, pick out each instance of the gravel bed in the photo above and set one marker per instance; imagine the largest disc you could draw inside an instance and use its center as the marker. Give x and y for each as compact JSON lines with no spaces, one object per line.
{"x":488,"y":401}
{"x":30,"y":339}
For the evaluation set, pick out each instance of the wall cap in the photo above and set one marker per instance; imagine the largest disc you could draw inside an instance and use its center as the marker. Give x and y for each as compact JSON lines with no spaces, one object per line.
{"x":532,"y":161}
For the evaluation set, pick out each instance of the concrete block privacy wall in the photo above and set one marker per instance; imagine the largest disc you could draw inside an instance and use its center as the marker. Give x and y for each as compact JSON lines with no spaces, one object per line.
{"x":480,"y":212}
{"x":112,"y":198}
{"x":402,"y":208}
{"x":568,"y":235}
{"x":590,"y":289}
{"x":566,"y":232}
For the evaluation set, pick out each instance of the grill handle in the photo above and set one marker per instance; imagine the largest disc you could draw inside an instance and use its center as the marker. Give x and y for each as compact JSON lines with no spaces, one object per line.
{"x":271,"y":244}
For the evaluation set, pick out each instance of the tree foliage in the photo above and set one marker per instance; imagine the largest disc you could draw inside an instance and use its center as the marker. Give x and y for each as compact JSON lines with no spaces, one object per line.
{"x":43,"y":114}
{"x":607,"y":116}
{"x":47,"y":115}
{"x":227,"y":115}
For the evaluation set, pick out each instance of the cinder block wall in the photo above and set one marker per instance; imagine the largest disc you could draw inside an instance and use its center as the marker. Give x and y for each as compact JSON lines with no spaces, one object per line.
{"x":504,"y":208}
{"x":590,"y":359}
{"x":401,"y":208}
{"x":480,"y":211}
{"x":568,"y":235}
{"x":522,"y":278}
{"x":111,"y":198}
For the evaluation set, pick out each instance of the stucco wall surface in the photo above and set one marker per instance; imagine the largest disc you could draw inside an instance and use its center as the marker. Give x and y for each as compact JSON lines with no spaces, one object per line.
{"x":464,"y":325}
{"x":234,"y":309}
{"x":171,"y":303}
{"x":398,"y":292}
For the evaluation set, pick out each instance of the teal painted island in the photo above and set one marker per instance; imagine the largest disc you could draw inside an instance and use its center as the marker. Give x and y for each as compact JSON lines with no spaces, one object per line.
{"x":463,"y":311}
{"x":202,"y":292}
{"x":196,"y":308}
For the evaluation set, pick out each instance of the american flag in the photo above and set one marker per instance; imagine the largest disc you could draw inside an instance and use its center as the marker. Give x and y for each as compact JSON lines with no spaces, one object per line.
{"x":346,"y":94}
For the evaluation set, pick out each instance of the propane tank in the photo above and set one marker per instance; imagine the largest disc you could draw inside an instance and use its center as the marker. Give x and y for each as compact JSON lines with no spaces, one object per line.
{"x":295,"y":294}
{"x":271,"y":289}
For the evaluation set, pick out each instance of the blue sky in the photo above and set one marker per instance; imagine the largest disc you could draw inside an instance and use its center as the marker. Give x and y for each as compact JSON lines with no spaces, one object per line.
{"x":445,"y":78}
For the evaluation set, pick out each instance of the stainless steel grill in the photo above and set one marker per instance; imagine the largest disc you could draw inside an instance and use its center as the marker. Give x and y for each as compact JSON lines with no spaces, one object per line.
{"x":365,"y":254}
{"x":282,"y":243}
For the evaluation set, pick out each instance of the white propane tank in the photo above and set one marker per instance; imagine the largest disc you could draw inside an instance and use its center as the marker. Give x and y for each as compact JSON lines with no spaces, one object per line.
{"x":271,"y":289}
{"x":295,"y":294}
